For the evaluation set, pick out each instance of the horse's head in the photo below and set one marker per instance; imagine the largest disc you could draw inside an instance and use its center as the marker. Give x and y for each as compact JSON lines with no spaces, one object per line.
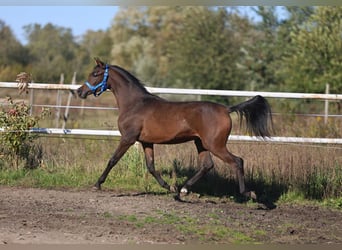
{"x":97,"y":81}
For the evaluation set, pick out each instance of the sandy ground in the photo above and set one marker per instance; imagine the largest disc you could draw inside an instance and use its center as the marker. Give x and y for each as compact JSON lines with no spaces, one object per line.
{"x":30,"y":215}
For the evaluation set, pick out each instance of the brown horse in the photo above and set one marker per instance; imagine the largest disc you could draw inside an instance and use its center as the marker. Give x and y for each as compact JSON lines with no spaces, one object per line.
{"x":150,"y":120}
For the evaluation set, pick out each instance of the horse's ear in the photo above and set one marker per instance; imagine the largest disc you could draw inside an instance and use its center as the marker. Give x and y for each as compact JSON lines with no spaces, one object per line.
{"x":98,"y":62}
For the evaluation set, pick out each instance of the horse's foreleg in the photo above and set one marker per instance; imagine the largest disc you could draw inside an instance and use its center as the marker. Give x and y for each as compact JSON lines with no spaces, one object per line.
{"x":149,"y":157}
{"x":119,"y":152}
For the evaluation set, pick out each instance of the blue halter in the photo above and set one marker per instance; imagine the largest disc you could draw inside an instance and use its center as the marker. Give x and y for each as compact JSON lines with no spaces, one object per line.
{"x":102,"y":84}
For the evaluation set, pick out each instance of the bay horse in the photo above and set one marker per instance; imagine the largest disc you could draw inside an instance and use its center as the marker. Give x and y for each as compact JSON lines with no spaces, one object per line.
{"x":149,"y":119}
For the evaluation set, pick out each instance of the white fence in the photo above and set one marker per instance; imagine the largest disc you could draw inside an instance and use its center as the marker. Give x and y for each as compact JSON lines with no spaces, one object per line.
{"x":335,"y":97}
{"x":191,"y":91}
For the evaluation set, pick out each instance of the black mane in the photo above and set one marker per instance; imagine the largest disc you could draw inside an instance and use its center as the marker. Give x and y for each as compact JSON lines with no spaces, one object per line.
{"x":130,"y":77}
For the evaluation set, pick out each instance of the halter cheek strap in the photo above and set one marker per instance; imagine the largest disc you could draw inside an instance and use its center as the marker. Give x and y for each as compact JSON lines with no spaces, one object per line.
{"x":102,"y":85}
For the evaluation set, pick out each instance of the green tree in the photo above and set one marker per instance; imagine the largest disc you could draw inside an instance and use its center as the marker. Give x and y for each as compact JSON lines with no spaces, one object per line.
{"x":181,"y":46}
{"x":140,"y":37}
{"x":53,"y":51}
{"x":13,"y":56}
{"x":206,"y":52}
{"x":261,"y":50}
{"x":316,"y":55}
{"x":97,"y":44}
{"x":267,"y":42}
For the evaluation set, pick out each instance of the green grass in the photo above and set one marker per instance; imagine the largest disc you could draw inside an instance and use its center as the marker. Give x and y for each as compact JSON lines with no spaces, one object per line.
{"x":130,"y":218}
{"x":204,"y":229}
{"x":129,"y":175}
{"x":45,"y":179}
{"x":311,"y":174}
{"x":107,"y":215}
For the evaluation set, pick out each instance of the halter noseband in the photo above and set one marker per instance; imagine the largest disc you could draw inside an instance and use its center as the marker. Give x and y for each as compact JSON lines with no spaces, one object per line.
{"x":102,"y":84}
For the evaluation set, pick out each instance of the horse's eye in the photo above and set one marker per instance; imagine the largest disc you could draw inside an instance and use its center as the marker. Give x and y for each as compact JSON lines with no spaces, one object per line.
{"x":94,"y":74}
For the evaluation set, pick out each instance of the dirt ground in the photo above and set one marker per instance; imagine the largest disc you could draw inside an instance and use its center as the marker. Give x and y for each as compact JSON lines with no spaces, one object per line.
{"x":30,"y":215}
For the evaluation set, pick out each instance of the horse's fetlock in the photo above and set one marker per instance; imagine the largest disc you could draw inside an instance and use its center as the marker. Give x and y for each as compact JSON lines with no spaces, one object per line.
{"x":250,"y":194}
{"x":173,"y":189}
{"x":208,"y":166}
{"x":97,"y":186}
{"x":184,"y":191}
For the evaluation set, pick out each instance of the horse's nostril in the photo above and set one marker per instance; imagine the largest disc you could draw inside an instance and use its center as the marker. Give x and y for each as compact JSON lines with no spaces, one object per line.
{"x":79,"y":92}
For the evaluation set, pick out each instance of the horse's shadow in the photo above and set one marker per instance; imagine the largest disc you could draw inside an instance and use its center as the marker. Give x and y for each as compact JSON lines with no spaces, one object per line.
{"x":214,"y":184}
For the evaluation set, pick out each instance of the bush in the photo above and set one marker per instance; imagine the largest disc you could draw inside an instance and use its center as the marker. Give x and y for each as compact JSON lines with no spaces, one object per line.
{"x":17,"y":145}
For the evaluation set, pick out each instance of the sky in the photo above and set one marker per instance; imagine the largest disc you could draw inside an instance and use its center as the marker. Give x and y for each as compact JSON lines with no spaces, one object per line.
{"x":78,"y":18}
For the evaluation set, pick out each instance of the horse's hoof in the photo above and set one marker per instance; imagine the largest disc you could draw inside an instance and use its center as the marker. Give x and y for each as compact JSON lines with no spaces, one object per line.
{"x":173,"y":189}
{"x":184,"y":191}
{"x":253,"y":195}
{"x":96,"y":187}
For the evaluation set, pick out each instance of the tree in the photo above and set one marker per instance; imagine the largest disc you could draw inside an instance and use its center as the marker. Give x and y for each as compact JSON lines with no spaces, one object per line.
{"x":181,"y":46}
{"x":97,"y":44}
{"x":140,"y":37}
{"x":207,"y":50}
{"x":266,"y":44}
{"x":53,"y":51}
{"x":261,"y":50}
{"x":316,"y":55}
{"x":13,"y":56}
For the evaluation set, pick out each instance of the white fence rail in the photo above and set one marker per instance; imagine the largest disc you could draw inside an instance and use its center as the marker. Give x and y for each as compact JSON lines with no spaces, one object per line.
{"x":116,"y":133}
{"x":58,"y":131}
{"x":191,"y":91}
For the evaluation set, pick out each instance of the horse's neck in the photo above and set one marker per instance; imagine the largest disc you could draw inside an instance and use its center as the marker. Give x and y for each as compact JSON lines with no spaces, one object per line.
{"x":127,"y":92}
{"x":127,"y":95}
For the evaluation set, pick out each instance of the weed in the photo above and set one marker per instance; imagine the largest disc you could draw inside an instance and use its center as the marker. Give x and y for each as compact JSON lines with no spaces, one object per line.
{"x":205,"y":230}
{"x":16,"y":143}
{"x":292,"y":196}
{"x":335,"y":203}
{"x":213,"y":216}
{"x":150,"y":220}
{"x":107,"y":215}
{"x":240,"y":238}
{"x":259,"y":232}
{"x":130,"y":218}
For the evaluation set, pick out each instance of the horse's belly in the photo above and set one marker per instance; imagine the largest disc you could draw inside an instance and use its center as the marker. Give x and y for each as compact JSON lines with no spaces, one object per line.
{"x":166,"y":136}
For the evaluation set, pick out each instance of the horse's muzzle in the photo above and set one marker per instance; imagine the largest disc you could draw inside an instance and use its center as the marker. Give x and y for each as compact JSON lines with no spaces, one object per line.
{"x":82,"y":93}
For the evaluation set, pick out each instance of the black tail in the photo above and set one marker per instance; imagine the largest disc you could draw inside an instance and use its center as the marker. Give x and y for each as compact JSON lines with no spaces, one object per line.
{"x":258,"y":115}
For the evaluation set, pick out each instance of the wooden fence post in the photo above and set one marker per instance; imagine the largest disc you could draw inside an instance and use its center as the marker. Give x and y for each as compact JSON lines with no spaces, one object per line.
{"x":66,"y":112}
{"x":326,"y":104}
{"x":59,"y":102}
{"x":31,"y":101}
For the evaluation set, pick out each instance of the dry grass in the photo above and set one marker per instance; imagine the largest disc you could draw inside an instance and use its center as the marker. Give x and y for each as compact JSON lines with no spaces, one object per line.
{"x":315,"y":171}
{"x":271,"y":168}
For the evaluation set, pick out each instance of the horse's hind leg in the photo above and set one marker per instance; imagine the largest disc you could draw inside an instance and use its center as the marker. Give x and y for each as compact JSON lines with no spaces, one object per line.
{"x":205,"y":163}
{"x":149,"y":157}
{"x":237,"y":163}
